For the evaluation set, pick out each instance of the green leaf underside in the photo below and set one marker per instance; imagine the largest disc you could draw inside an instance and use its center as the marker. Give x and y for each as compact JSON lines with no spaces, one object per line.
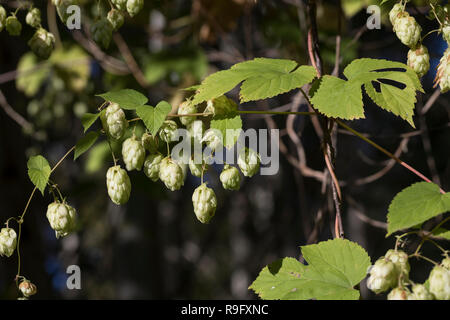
{"x":343,"y":99}
{"x":334,"y":268}
{"x":416,"y":204}
{"x":261,"y":78}
{"x":39,"y":172}
{"x":230,"y":127}
{"x":85,"y":143}
{"x":443,"y":233}
{"x":153,"y":117}
{"x":128,"y":99}
{"x":88,"y":119}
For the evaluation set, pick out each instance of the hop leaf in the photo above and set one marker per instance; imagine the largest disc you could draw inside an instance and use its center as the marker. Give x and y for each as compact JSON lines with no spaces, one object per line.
{"x":230,"y":178}
{"x":62,"y":218}
{"x":102,"y":32}
{"x":205,"y":203}
{"x":8,"y":242}
{"x":13,"y":26}
{"x":151,"y":166}
{"x":118,"y":185}
{"x":171,"y":174}
{"x":133,"y":154}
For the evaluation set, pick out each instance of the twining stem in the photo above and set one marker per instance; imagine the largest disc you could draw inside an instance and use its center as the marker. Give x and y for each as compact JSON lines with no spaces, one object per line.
{"x":390,"y":155}
{"x":417,"y":255}
{"x":440,"y":224}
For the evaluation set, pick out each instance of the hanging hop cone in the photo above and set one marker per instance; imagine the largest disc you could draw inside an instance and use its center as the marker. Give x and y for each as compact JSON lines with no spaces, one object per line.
{"x":115,"y":17}
{"x":407,"y":29}
{"x":151,"y":166}
{"x":439,"y":281}
{"x":399,"y":294}
{"x":187,"y":107}
{"x":61,"y":8}
{"x":171,"y":174}
{"x":62,"y":218}
{"x":8,"y":242}
{"x":420,"y":292}
{"x":205,"y":203}
{"x":383,"y":276}
{"x":395,"y":11}
{"x":42,"y":43}
{"x":150,"y":142}
{"x":221,"y":106}
{"x":446,"y":33}
{"x":400,"y":259}
{"x":196,"y":131}
{"x":2,"y":18}
{"x":419,"y":60}
{"x":118,"y":185}
{"x":102,"y":32}
{"x":13,"y":26}
{"x":213,"y":139}
{"x":168,"y":131}
{"x":27,"y":288}
{"x":134,"y":6}
{"x":114,"y":121}
{"x":197,"y":168}
{"x":248,"y":161}
{"x":133,"y":154}
{"x":33,"y":18}
{"x":443,"y":72}
{"x":230,"y":178}
{"x":120,"y":4}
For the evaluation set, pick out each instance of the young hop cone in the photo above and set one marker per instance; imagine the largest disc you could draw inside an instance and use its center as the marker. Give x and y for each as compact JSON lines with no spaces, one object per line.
{"x":197,"y":168}
{"x":439,"y":281}
{"x":205,"y":203}
{"x":230,"y":178}
{"x":62,"y":218}
{"x":115,"y":122}
{"x":419,"y":60}
{"x":399,"y":294}
{"x":33,"y":18}
{"x":395,"y":11}
{"x":13,"y":26}
{"x":383,"y":276}
{"x":151,"y":166}
{"x":187,"y":107}
{"x":420,"y":292}
{"x":213,"y":139}
{"x":248,"y":161}
{"x":102,"y":32}
{"x":120,"y":4}
{"x":445,"y":33}
{"x":171,"y":174}
{"x":443,"y":72}
{"x":133,"y":154}
{"x":168,"y":131}
{"x":196,"y":131}
{"x":118,"y":185}
{"x":407,"y":29}
{"x":42,"y":43}
{"x":8,"y":242}
{"x":400,"y":259}
{"x":150,"y":142}
{"x":221,"y":106}
{"x":115,"y":17}
{"x":27,"y":288}
{"x":134,"y":6}
{"x":2,"y":18}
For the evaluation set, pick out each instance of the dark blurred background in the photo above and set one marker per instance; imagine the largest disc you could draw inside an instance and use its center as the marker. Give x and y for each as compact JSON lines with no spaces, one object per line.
{"x":154,"y":247}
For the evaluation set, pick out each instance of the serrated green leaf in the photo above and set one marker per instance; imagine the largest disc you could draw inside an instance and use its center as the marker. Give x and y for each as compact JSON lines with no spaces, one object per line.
{"x":128,"y":99}
{"x":338,"y":98}
{"x":230,"y":127}
{"x":153,"y":118}
{"x":39,"y":172}
{"x":442,"y":233}
{"x":85,"y":143}
{"x":88,"y":119}
{"x":334,"y":268}
{"x":416,"y":204}
{"x":262,"y":78}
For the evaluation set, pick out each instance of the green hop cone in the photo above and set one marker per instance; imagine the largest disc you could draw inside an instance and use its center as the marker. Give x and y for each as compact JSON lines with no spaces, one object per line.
{"x":187,"y":107}
{"x":102,"y":32}
{"x":2,"y":17}
{"x":33,"y":18}
{"x":420,"y":292}
{"x":446,"y":263}
{"x":133,"y":154}
{"x":62,"y":218}
{"x":120,"y":4}
{"x":150,"y":142}
{"x":205,"y":203}
{"x":230,"y":178}
{"x":407,"y":29}
{"x":439,"y":281}
{"x":8,"y":242}
{"x":114,"y":121}
{"x":115,"y":17}
{"x":221,"y":106}
{"x":27,"y":288}
{"x":42,"y":43}
{"x":248,"y":161}
{"x":399,"y":294}
{"x":400,"y":259}
{"x":151,"y":166}
{"x":419,"y":60}
{"x":118,"y":185}
{"x":443,"y":72}
{"x":171,"y":174}
{"x":196,"y":131}
{"x":383,"y":276}
{"x":393,"y":14}
{"x":13,"y":26}
{"x":134,"y":6}
{"x":213,"y":139}
{"x":197,"y":168}
{"x":168,"y":131}
{"x":445,"y":33}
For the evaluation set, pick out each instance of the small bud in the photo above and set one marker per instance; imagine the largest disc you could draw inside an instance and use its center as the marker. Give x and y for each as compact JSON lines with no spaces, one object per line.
{"x":248,"y":161}
{"x":205,"y":203}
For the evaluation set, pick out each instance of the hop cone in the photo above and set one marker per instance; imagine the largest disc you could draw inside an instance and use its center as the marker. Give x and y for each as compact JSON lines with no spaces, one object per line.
{"x":150,"y":142}
{"x":213,"y":139}
{"x":400,"y":259}
{"x":393,"y":14}
{"x":420,"y":292}
{"x":27,"y":288}
{"x":115,"y":122}
{"x":221,"y":106}
{"x":187,"y":108}
{"x":13,"y":26}
{"x":33,"y":18}
{"x":151,"y":166}
{"x":8,"y":242}
{"x":383,"y":276}
{"x":102,"y":32}
{"x":62,"y":218}
{"x":439,"y":281}
{"x":133,"y":154}
{"x":118,"y":184}
{"x":419,"y":60}
{"x":205,"y":203}
{"x":196,"y":168}
{"x":120,"y":4}
{"x":399,"y":294}
{"x":230,"y":178}
{"x":2,"y":18}
{"x":168,"y":131}
{"x":115,"y":17}
{"x":134,"y":6}
{"x":443,"y":72}
{"x":171,"y":174}
{"x":407,"y":30}
{"x":248,"y":161}
{"x":42,"y":43}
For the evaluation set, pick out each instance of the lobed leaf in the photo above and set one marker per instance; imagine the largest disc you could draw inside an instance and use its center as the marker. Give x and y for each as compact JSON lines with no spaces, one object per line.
{"x":85,"y":143}
{"x":128,"y":99}
{"x":230,"y":127}
{"x":39,"y":172}
{"x":153,"y":117}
